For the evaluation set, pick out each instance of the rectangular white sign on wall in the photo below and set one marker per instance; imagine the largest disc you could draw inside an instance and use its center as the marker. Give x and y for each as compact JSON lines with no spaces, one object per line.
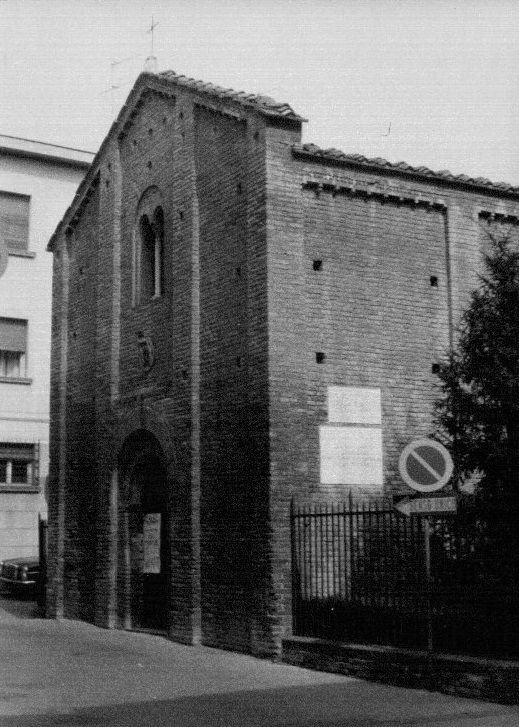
{"x":351,"y":455}
{"x":354,"y":405}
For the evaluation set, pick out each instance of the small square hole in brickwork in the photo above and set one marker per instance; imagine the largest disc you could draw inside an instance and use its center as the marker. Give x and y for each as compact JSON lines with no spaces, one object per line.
{"x":150,"y":132}
{"x":181,"y":215}
{"x":239,"y":188}
{"x":317,"y":264}
{"x":181,"y":115}
{"x":434,"y":281}
{"x":238,"y":272}
{"x":319,"y":357}
{"x":150,"y":165}
{"x":435,"y":368}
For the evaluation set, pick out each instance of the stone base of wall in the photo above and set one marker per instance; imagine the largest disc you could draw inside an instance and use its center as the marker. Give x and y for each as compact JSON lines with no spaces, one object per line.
{"x":487,"y":679}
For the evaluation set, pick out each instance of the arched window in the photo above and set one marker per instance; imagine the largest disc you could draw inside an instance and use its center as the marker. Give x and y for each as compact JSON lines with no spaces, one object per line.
{"x":158,"y":227}
{"x":149,"y":249}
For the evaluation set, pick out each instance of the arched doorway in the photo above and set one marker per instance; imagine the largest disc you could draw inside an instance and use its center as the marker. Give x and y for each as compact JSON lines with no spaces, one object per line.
{"x":144,"y":518}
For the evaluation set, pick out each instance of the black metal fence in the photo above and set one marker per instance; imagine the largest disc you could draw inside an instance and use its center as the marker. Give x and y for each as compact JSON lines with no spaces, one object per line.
{"x":360,"y":574}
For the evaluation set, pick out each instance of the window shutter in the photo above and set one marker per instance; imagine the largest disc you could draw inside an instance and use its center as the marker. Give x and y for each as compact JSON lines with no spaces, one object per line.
{"x":22,"y":452}
{"x":13,"y":335}
{"x":14,"y":220}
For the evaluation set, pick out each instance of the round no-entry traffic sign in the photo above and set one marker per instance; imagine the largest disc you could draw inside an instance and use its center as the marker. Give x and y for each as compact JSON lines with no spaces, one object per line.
{"x":425,"y":465}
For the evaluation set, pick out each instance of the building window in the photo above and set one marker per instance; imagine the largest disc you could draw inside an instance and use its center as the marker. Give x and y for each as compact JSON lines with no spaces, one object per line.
{"x":151,"y":257}
{"x":13,"y":348}
{"x":14,"y":221}
{"x":18,"y":466}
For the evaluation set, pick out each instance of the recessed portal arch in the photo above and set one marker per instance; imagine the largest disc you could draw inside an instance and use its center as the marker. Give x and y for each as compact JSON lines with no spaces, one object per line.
{"x":144,"y":521}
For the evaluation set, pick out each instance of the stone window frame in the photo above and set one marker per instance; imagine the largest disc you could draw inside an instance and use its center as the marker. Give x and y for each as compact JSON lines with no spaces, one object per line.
{"x":148,"y":248}
{"x":13,"y":454}
{"x":19,"y":216}
{"x":14,"y":346}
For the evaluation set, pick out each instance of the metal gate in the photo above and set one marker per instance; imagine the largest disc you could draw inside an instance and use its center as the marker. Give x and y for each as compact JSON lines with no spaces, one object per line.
{"x":359,"y":575}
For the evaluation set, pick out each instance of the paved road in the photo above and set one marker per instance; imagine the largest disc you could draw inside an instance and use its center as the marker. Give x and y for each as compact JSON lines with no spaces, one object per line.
{"x":71,"y":674}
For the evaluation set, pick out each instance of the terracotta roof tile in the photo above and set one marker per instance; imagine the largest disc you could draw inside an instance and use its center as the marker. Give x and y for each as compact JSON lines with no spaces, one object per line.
{"x":379,"y":163}
{"x":264,"y":104}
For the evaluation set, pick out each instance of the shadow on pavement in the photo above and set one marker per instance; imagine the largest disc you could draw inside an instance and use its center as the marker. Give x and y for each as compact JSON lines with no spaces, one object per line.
{"x":316,"y":706}
{"x":20,"y":607}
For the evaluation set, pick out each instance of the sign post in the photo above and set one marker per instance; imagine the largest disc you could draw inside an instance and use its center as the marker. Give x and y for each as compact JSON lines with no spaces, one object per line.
{"x":426,"y":466}
{"x":428,"y":580}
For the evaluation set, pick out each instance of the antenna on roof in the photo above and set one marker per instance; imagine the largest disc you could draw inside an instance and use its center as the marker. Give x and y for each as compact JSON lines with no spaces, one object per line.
{"x":150,"y":64}
{"x":113,"y":85}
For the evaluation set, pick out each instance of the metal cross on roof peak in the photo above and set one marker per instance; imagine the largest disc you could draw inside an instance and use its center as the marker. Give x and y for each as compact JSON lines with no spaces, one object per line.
{"x":151,"y":30}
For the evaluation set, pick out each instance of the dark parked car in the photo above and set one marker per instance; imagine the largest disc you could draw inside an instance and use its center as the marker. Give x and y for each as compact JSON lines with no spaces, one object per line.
{"x":20,"y":576}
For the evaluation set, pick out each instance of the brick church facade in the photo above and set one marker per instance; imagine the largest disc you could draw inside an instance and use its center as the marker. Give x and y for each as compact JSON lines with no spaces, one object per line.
{"x":240,"y":320}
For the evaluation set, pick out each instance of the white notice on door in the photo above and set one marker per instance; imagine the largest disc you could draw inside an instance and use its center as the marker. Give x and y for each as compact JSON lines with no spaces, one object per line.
{"x":151,"y":538}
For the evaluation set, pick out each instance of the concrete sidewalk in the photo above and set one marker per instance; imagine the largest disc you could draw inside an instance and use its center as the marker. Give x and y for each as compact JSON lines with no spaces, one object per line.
{"x":68,"y":673}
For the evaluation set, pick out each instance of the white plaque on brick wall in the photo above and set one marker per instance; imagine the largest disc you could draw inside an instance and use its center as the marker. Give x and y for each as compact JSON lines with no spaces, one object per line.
{"x":151,"y":543}
{"x":351,"y":455}
{"x":354,"y":405}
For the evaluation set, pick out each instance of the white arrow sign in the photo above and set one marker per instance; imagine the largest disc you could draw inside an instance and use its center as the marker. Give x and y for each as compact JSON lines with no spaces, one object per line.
{"x":427,"y":506}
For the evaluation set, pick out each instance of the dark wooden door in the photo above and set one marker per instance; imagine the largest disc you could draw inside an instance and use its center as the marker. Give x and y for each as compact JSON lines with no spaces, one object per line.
{"x":148,"y":525}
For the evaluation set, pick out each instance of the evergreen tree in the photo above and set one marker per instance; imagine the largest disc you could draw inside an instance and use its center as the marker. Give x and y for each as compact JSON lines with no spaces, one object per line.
{"x":478,"y":412}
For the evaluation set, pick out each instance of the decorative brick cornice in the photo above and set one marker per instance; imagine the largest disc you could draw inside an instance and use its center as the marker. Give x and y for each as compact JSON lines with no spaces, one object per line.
{"x":378,"y":165}
{"x":229,"y":113}
{"x":379,"y":189}
{"x":501,"y":217}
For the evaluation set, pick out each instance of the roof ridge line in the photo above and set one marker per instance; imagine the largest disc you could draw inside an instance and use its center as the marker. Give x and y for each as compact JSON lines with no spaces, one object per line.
{"x":403,"y":167}
{"x":261,"y":102}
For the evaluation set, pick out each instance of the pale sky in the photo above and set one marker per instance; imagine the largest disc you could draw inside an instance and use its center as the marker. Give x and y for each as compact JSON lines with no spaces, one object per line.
{"x":443,"y":74}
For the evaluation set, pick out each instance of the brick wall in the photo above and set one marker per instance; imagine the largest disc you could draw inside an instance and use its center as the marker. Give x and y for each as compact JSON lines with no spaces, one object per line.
{"x":235,"y":563}
{"x":80,"y":419}
{"x":372,"y":311}
{"x":220,"y":159}
{"x":204,"y":398}
{"x":398,"y":260}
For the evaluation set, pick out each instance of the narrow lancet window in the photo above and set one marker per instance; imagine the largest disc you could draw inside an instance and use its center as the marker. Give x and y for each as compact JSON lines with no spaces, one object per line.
{"x":149,"y":270}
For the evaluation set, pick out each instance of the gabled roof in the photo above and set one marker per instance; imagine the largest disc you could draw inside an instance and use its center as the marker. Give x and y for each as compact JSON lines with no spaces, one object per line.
{"x":167,"y":81}
{"x":378,"y":164}
{"x":264,"y":104}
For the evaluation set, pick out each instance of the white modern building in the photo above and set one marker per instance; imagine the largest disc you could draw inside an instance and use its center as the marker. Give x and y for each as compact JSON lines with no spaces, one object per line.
{"x":37,"y":183}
